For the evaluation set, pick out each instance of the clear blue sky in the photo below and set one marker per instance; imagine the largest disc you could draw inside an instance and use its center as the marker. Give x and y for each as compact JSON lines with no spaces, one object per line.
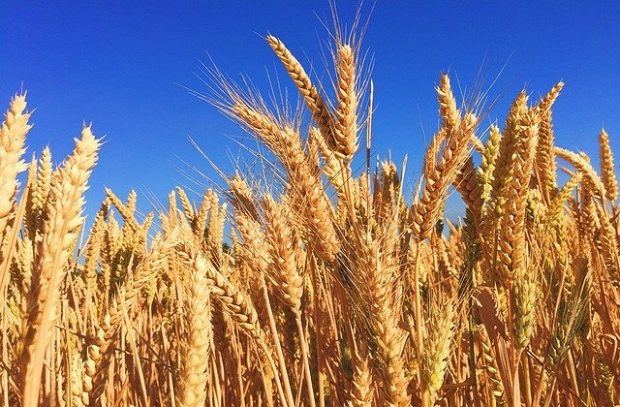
{"x":119,"y":64}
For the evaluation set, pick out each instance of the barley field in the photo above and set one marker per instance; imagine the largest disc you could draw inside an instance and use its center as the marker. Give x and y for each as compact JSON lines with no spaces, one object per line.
{"x":329,"y":286}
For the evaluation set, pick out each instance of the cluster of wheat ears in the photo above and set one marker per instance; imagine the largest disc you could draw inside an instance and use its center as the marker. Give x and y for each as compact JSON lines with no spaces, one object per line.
{"x":327,"y":287}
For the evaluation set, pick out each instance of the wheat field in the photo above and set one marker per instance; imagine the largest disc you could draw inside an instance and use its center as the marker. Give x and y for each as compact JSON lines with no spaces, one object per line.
{"x":331,"y":285}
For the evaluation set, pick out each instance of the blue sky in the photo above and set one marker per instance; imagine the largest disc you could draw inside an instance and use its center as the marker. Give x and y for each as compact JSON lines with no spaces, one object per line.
{"x":118,"y":64}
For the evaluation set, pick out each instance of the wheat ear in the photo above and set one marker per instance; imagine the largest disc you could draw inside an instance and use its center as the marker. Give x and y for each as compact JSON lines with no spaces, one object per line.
{"x":35,"y":215}
{"x":313,"y":99}
{"x":60,"y":230}
{"x":361,"y":384}
{"x":427,"y":211}
{"x":513,"y":174}
{"x":13,"y":133}
{"x":196,"y":357}
{"x":346,"y":127}
{"x":545,"y":157}
{"x":608,"y":171}
{"x":284,"y":251}
{"x":437,"y":350}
